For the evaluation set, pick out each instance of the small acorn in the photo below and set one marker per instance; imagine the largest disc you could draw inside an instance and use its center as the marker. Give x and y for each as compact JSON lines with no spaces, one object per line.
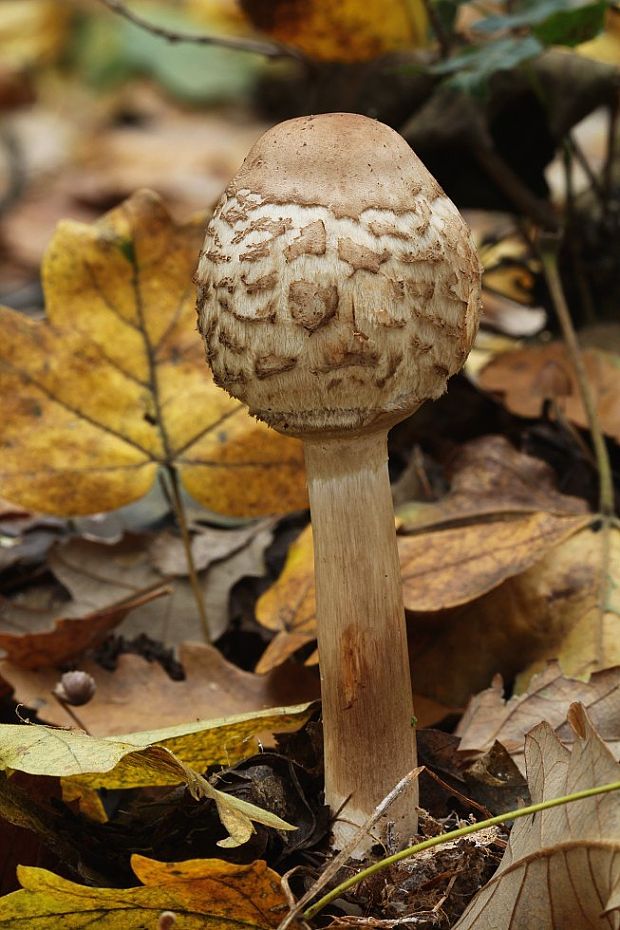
{"x":167,"y":920}
{"x":75,"y":688}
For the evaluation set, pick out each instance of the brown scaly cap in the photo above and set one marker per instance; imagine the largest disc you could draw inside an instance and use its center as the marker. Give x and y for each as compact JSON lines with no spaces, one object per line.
{"x":338,"y":285}
{"x":341,"y":160}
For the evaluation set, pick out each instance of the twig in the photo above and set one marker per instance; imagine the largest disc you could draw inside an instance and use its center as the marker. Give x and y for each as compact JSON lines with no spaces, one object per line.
{"x":549,"y":258}
{"x":179,"y":512}
{"x":568,"y":153}
{"x":594,"y":182}
{"x":345,"y":853}
{"x":255,"y":46}
{"x":454,"y":835}
{"x":69,"y":710}
{"x":443,"y":39}
{"x":512,"y":186}
{"x":446,"y":894}
{"x":454,"y":791}
{"x":608,"y":168}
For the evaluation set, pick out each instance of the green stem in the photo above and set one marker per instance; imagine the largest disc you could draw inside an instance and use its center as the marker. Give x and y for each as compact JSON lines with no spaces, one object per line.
{"x":548,"y":254}
{"x":179,"y":512}
{"x":453,"y":835}
{"x":443,"y":39}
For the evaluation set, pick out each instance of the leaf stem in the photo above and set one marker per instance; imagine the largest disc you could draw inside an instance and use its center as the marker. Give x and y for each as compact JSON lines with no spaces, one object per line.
{"x":69,"y":710}
{"x":456,"y":834}
{"x":178,"y":506}
{"x":549,"y":258}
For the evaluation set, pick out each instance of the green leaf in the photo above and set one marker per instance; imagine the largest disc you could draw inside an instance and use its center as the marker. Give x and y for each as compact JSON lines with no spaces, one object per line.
{"x":472,"y":69}
{"x":553,"y":22}
{"x":108,"y":51}
{"x":573,"y":27}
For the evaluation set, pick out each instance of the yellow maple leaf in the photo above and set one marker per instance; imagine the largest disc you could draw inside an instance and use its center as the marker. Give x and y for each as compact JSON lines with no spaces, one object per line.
{"x":204,"y":894}
{"x":347,"y":31}
{"x":114,"y":384}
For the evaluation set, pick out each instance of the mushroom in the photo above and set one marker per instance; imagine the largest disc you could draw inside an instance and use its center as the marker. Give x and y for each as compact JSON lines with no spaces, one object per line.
{"x":338,"y":289}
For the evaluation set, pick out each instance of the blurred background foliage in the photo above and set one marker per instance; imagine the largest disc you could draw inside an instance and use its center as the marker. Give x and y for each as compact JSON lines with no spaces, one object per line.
{"x":93,"y":106}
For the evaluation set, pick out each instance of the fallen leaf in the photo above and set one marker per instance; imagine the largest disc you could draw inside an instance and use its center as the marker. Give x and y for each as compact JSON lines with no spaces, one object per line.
{"x":209,"y":544}
{"x":289,"y":605}
{"x":88,"y":569}
{"x":488,"y":344}
{"x":562,"y":866}
{"x":501,"y":516}
{"x":449,"y":567}
{"x":139,"y":694}
{"x":509,"y":317}
{"x":107,"y":389}
{"x":71,"y":636}
{"x":146,"y":759}
{"x":510,"y":269}
{"x":9,"y":511}
{"x":25,"y":540}
{"x":135,"y":761}
{"x":575,"y":593}
{"x":116,"y":583}
{"x":510,"y":265}
{"x":347,"y":31}
{"x":204,"y":894}
{"x":44,"y":626}
{"x":564,"y":607}
{"x":30,"y":224}
{"x":524,"y":379}
{"x":204,"y":147}
{"x":221,"y":578}
{"x":489,"y":477}
{"x":489,"y":718}
{"x":180,"y":622}
{"x":29,"y":816}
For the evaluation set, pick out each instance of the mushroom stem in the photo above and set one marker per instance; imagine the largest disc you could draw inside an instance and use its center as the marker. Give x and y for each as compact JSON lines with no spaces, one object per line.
{"x":368,"y":721}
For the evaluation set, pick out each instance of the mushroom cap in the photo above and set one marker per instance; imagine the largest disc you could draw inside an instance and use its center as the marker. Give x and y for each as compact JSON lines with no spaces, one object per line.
{"x":338,"y":286}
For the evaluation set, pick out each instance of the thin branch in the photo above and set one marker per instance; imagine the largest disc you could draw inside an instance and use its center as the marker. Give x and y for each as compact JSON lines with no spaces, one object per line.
{"x":254,"y":46}
{"x":174,"y":495}
{"x":580,"y":155}
{"x":608,"y":169}
{"x":549,"y":258}
{"x":540,"y":211}
{"x":71,"y":713}
{"x":587,"y":304}
{"x":443,"y":40}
